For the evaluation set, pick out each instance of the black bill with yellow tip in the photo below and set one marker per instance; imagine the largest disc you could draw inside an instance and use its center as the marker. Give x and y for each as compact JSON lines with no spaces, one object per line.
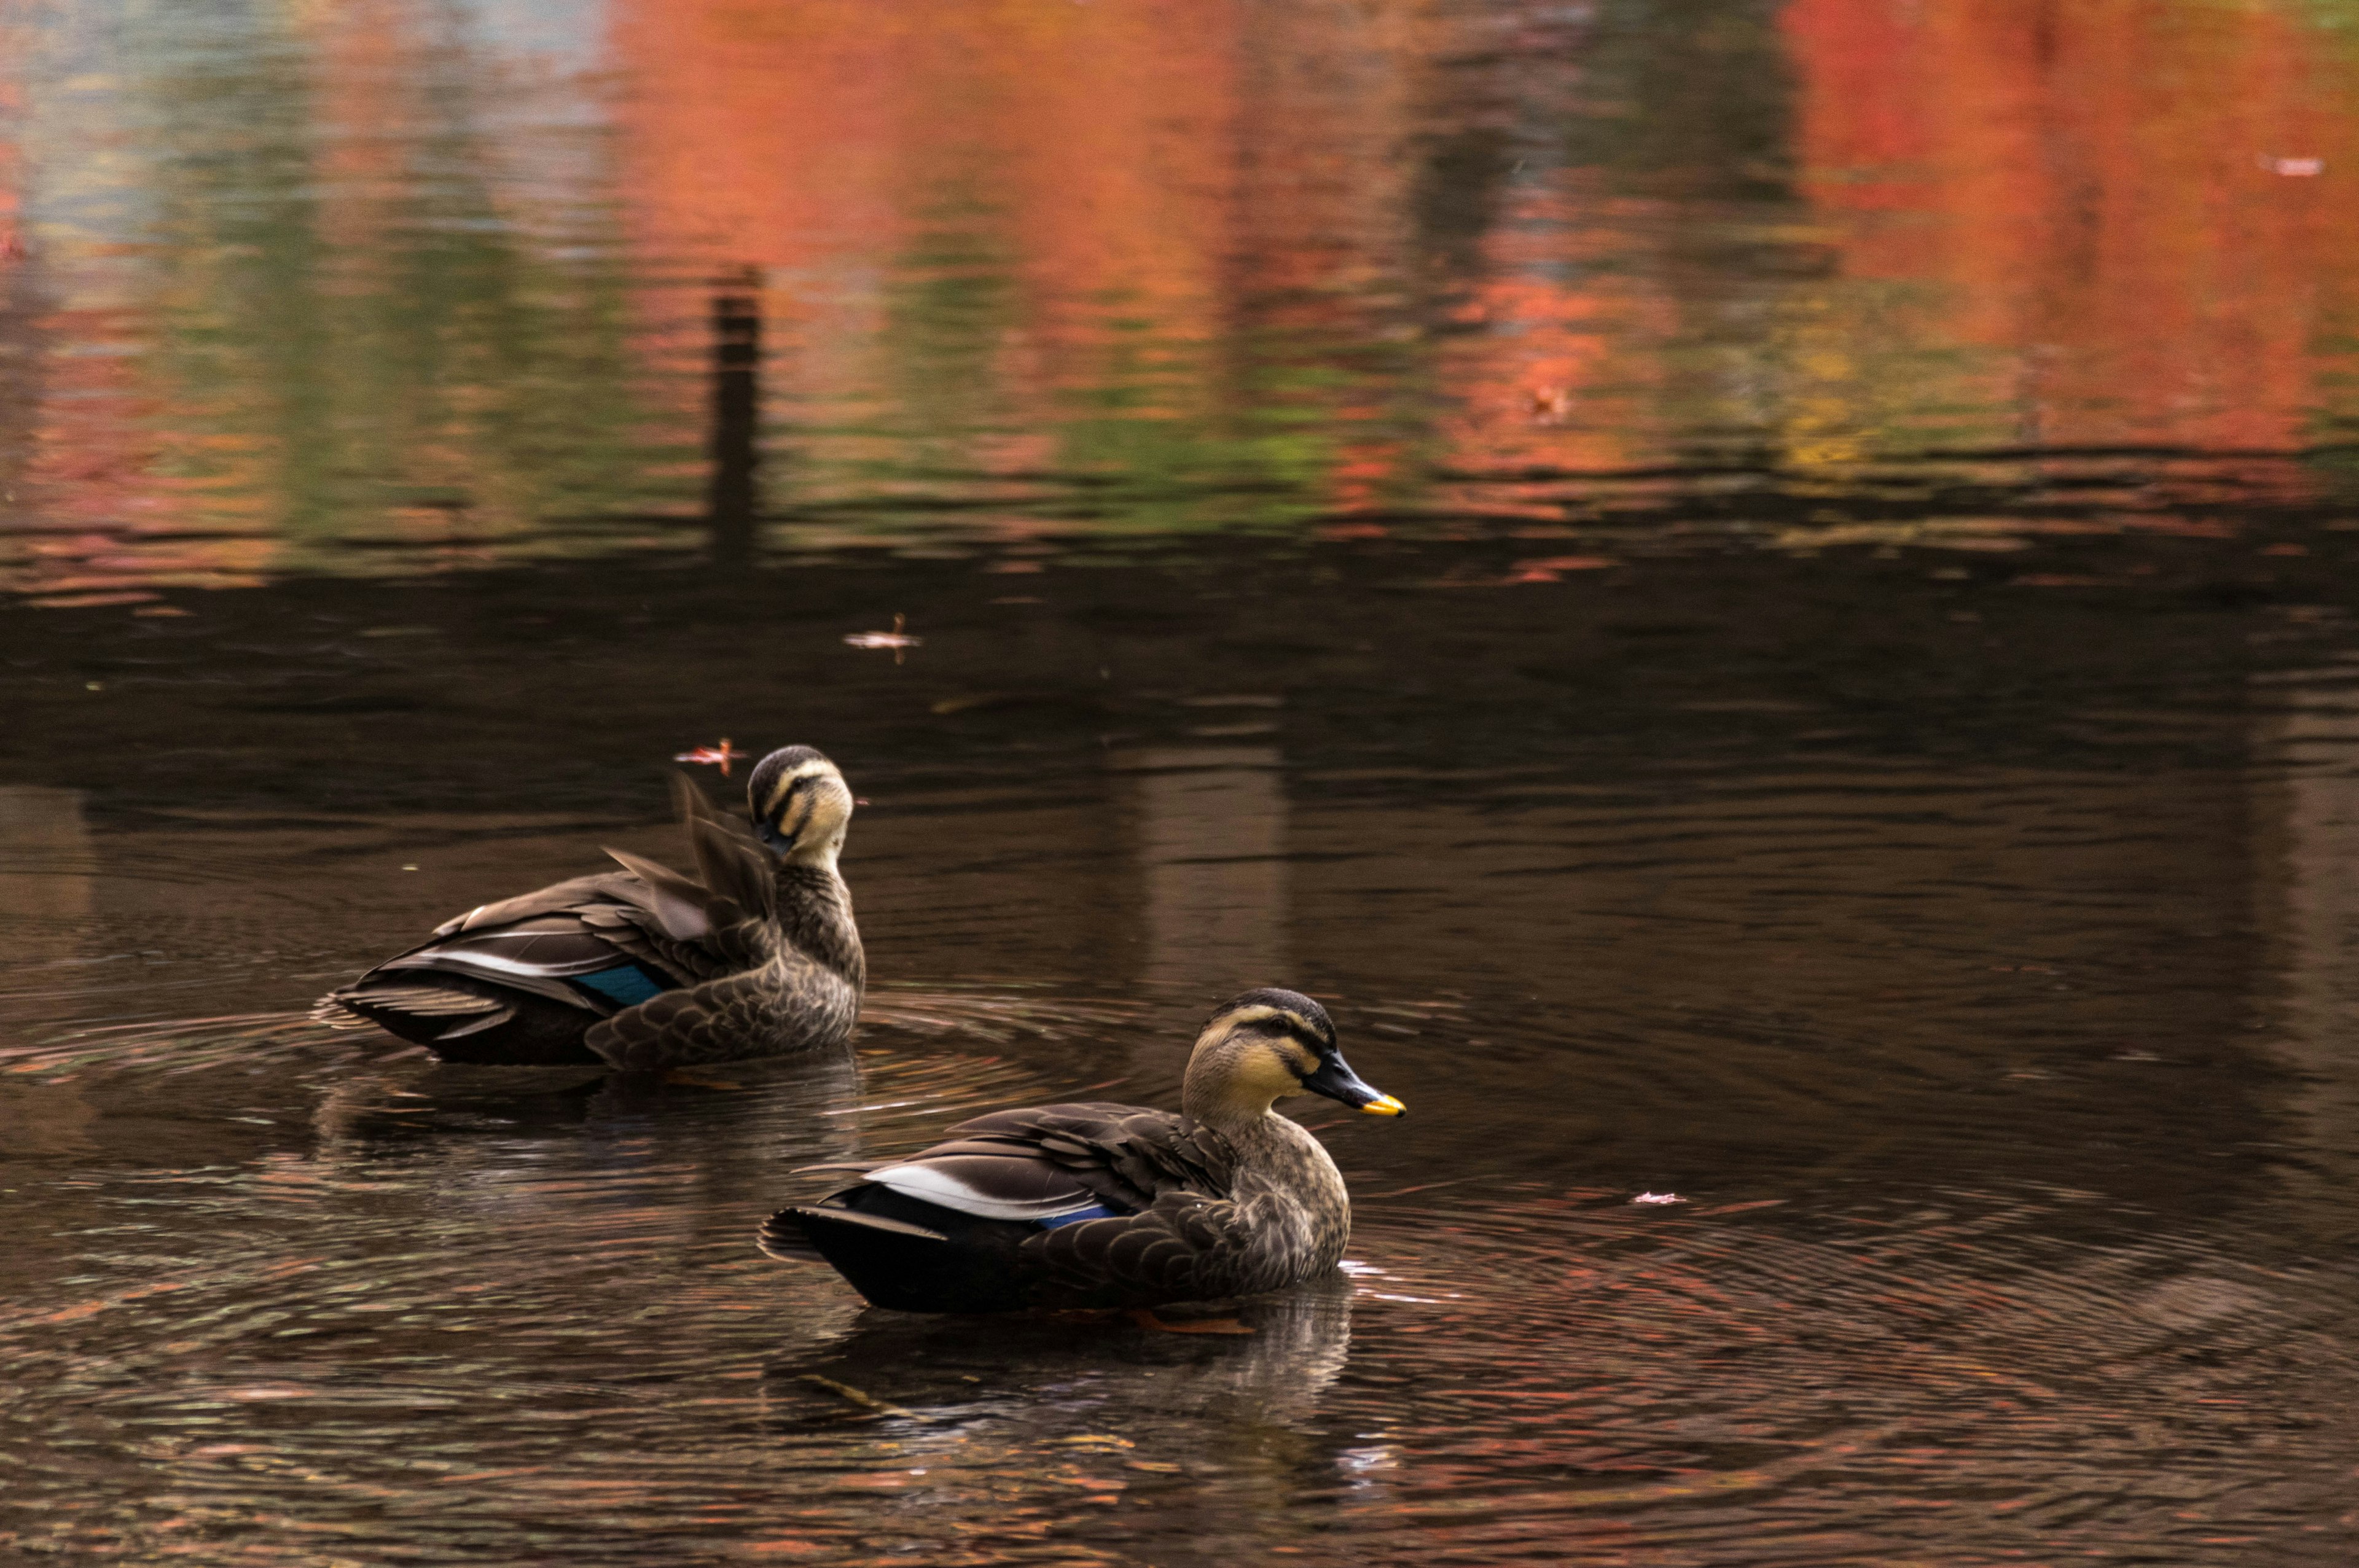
{"x":1336,"y":1080}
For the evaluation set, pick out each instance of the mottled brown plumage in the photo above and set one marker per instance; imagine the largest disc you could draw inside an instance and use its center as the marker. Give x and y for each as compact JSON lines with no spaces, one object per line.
{"x":756,"y":955}
{"x":1101,"y":1205}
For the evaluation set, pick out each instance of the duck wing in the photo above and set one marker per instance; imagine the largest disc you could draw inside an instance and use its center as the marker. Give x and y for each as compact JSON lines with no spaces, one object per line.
{"x":1165,"y":1227}
{"x":670,"y":907}
{"x":1046,"y":1163}
{"x":1127,"y":1154}
{"x":598,"y":943}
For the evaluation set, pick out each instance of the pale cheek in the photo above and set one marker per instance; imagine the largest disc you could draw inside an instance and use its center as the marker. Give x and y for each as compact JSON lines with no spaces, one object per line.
{"x":1275,"y":1080}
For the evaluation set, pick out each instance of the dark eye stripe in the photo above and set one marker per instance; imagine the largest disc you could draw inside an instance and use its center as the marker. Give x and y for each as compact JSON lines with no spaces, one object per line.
{"x":786,"y":796}
{"x":1285,"y":1029}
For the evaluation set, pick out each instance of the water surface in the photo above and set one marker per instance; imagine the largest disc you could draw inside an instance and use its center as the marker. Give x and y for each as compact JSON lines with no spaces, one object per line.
{"x":1759,"y":600}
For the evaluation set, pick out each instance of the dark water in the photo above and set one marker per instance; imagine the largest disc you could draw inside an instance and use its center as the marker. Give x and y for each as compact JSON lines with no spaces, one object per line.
{"x":1759,"y":598}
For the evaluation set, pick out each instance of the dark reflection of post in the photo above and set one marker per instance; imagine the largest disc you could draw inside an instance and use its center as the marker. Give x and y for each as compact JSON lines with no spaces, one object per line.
{"x":48,"y":893}
{"x":732,"y":500}
{"x":1210,"y":824}
{"x":2309,"y":899}
{"x":47,"y":865}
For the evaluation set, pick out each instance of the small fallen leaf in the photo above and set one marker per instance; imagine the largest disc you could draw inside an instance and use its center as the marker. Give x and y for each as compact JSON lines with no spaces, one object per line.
{"x":896,"y":639}
{"x":90,"y":601}
{"x":865,"y":1402}
{"x":1548,"y":567}
{"x":723,"y":754}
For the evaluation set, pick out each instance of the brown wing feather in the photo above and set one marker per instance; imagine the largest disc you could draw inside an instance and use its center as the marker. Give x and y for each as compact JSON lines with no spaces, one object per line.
{"x":1189,"y":1238}
{"x":732,"y":866}
{"x":558,"y":897}
{"x":686,"y":909}
{"x":1125,"y":1154}
{"x":736,"y":870}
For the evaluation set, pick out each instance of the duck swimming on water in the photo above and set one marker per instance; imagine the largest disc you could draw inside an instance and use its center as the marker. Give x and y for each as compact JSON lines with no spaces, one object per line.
{"x":644,"y":968}
{"x":1111,"y":1205}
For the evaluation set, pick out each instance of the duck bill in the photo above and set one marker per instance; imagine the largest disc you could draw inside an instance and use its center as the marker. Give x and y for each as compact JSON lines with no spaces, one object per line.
{"x":1337,"y":1081}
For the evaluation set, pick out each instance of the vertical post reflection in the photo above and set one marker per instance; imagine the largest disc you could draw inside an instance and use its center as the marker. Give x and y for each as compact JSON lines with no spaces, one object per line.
{"x":732,"y":500}
{"x":1210,"y":836}
{"x":48,"y":890}
{"x":2307,"y":898}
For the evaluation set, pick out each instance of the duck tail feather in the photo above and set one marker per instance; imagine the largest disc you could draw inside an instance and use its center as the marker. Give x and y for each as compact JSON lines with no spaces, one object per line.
{"x":795,"y":1235}
{"x":802,"y":1234}
{"x":427,"y":1013}
{"x":331,"y":1011}
{"x":782,"y":1237}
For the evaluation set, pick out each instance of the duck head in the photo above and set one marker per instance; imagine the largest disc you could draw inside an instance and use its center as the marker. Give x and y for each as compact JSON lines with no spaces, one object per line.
{"x":1265,"y":1046}
{"x":800,"y":804}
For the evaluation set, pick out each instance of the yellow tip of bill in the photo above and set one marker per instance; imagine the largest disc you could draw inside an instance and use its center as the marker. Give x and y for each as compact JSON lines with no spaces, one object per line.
{"x":1384,"y":1105}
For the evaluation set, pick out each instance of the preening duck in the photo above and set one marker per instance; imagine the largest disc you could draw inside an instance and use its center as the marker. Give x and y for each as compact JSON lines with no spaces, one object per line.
{"x":1111,"y":1205}
{"x":643,"y":967}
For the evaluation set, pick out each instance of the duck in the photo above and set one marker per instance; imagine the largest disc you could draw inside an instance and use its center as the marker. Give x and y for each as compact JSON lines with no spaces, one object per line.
{"x":1105,"y":1206}
{"x":641,"y":968}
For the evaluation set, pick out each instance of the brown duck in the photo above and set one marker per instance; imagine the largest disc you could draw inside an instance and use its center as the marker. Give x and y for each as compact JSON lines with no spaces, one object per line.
{"x":1111,"y":1205}
{"x":756,"y":956}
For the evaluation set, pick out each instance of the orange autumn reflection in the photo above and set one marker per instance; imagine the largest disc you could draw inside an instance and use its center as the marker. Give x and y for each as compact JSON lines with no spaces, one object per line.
{"x":2144,"y":206}
{"x":1032,"y":232}
{"x":381,"y":288}
{"x":959,"y":151}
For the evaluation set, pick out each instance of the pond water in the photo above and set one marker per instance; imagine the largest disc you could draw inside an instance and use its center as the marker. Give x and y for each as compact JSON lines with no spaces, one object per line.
{"x":1758,"y":598}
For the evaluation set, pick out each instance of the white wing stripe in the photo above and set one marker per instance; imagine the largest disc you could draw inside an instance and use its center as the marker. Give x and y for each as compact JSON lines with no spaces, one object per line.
{"x":932,"y":1185}
{"x":491,"y":964}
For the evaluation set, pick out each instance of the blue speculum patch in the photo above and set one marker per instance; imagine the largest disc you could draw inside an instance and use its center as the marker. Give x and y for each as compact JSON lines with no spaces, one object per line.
{"x":1095,"y":1211}
{"x":629,"y":985}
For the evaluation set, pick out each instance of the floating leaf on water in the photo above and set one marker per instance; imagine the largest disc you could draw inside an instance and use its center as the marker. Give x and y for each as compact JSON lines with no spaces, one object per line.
{"x":896,"y":639}
{"x":722,"y":756}
{"x":1548,"y":568}
{"x":865,"y":1402}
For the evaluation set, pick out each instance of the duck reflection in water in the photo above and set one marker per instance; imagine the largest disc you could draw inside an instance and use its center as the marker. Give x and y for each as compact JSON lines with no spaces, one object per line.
{"x":645,"y":967}
{"x":414,"y":1104}
{"x":1229,"y":1433}
{"x":1111,"y":1205}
